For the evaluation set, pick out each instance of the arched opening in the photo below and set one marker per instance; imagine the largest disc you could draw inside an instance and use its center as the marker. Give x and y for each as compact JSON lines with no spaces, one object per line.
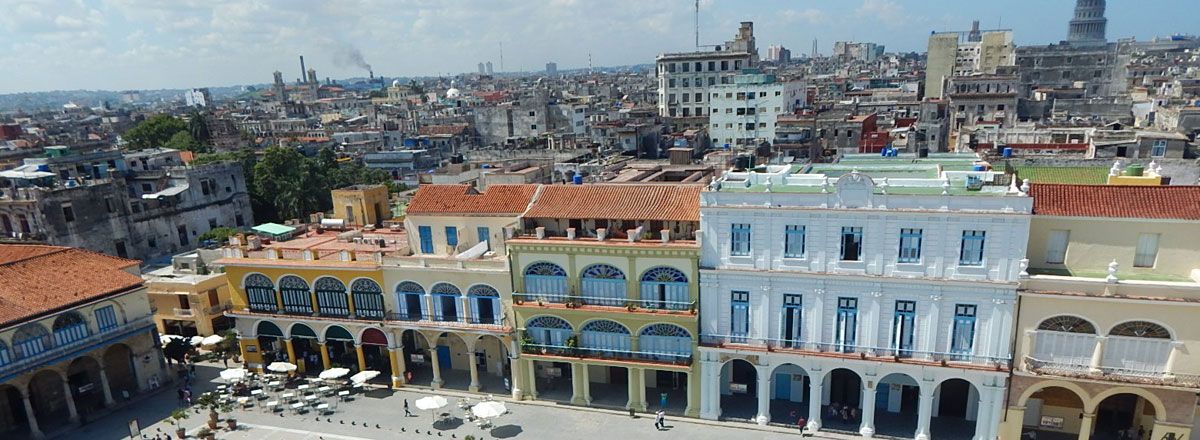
{"x":603,"y":285}
{"x":453,"y":361}
{"x":789,"y":394}
{"x":340,"y":344}
{"x":665,"y":288}
{"x":485,"y":304}
{"x":843,"y":409}
{"x":548,"y":335}
{"x":602,"y":338}
{"x":331,"y":297}
{"x":739,"y":390}
{"x":491,"y":356}
{"x":49,"y":399}
{"x":118,"y":367}
{"x":368,"y":298}
{"x":83,"y":374}
{"x":1120,"y":416}
{"x":68,"y":328}
{"x":297,"y":299}
{"x":410,"y":301}
{"x":260,"y":293}
{"x":270,"y":342}
{"x":29,"y":340}
{"x":1064,"y":342}
{"x":1137,"y":348}
{"x":896,"y":399}
{"x":6,"y":225}
{"x":1053,"y":412}
{"x":14,"y":423}
{"x":374,"y":346}
{"x":955,"y":409}
{"x":307,"y":350}
{"x":668,"y":343}
{"x":417,"y":357}
{"x":545,"y":281}
{"x":446,"y":302}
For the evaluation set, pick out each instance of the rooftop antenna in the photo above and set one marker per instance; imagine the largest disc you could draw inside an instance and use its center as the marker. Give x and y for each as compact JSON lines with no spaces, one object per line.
{"x":589,"y":63}
{"x":697,"y":24}
{"x":501,"y":56}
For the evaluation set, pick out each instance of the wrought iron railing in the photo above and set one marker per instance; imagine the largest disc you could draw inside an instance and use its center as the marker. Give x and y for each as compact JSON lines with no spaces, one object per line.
{"x":115,"y":332}
{"x":631,"y":304}
{"x":773,"y":344}
{"x":608,"y":353}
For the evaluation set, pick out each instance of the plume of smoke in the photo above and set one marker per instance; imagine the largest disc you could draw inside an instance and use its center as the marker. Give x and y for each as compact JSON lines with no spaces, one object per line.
{"x":351,"y":56}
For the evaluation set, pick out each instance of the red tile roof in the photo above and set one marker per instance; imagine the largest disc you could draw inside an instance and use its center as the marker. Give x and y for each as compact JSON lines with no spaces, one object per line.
{"x":464,"y":199}
{"x":43,"y":279}
{"x":1119,"y":201}
{"x":619,"y":202}
{"x":433,"y":130}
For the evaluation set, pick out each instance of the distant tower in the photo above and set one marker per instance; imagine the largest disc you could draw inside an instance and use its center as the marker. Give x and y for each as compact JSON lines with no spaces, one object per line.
{"x":279,"y":88}
{"x":975,"y":36}
{"x":1088,"y":25}
{"x":481,"y":71}
{"x":489,"y":67}
{"x":312,"y":76}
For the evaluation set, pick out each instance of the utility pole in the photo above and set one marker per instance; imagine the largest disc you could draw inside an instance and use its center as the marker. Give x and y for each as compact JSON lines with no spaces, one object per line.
{"x":697,"y":25}
{"x":501,"y":56}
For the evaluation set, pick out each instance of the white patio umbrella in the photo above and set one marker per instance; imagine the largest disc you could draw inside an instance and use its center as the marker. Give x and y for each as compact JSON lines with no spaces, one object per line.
{"x":333,"y":373}
{"x":168,"y":338}
{"x":431,"y":403}
{"x":196,"y":340}
{"x":363,"y":376}
{"x":233,"y":374}
{"x":212,"y":340}
{"x":488,"y":410}
{"x":282,"y":367}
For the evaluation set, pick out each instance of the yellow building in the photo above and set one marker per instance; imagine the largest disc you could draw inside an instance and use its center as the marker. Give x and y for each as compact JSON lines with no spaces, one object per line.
{"x":187,"y":298}
{"x":361,"y":205}
{"x":1105,"y":335}
{"x":76,"y":338}
{"x":606,"y":289}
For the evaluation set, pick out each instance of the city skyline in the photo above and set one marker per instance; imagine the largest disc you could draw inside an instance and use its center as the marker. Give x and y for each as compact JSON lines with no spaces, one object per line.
{"x":133,"y":44}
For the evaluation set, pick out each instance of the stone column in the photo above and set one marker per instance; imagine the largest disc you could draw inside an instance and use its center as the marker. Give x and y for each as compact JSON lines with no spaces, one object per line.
{"x":531,"y":377}
{"x":396,"y":358}
{"x":693,"y":395}
{"x":984,"y":418}
{"x":291,"y":352}
{"x":924,"y":412}
{"x":472,"y":358}
{"x":710,"y":389}
{"x":867,"y":427}
{"x":465,"y":314}
{"x":1016,"y":418}
{"x":427,"y":314}
{"x":763,"y":392}
{"x":578,"y":384}
{"x":1097,"y":354}
{"x":325,"y":364}
{"x":1172,"y":358}
{"x":816,"y":384}
{"x":931,"y":326}
{"x":31,"y":416}
{"x":1085,"y":425}
{"x":70,"y":402}
{"x":108,"y":398}
{"x":362,"y":357}
{"x":636,"y":402}
{"x":437,"y":368}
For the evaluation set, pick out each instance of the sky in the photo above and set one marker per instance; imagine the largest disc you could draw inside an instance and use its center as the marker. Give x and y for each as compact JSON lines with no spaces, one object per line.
{"x":150,"y":44}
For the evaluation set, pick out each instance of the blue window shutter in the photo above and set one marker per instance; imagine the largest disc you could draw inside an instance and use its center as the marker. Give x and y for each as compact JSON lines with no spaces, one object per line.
{"x":426,"y":235}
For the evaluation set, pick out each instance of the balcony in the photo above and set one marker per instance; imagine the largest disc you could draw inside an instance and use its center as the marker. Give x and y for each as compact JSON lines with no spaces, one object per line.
{"x":392,"y":318}
{"x":218,"y":309}
{"x":184,"y":313}
{"x":74,"y":348}
{"x":866,"y":352}
{"x":607,"y":354}
{"x":1115,"y":358}
{"x":615,"y":304}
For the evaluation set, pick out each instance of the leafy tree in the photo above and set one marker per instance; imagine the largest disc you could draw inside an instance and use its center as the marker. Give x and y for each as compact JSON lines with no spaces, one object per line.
{"x":198,"y":128}
{"x":288,"y":182}
{"x":220,"y":235}
{"x":183,"y":141}
{"x":177,"y":349}
{"x":154,"y":132}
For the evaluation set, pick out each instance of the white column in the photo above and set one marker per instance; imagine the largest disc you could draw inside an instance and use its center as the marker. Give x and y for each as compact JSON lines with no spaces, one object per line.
{"x":710,"y":390}
{"x":31,"y":416}
{"x":1098,"y":354}
{"x":70,"y":402}
{"x":924,"y":412}
{"x":764,"y":395}
{"x":464,"y":312}
{"x":815,"y":384}
{"x":983,"y":419}
{"x":1085,"y":425}
{"x":108,"y":398}
{"x":472,"y":358}
{"x":815,"y":333}
{"x":867,"y":428}
{"x":437,"y":368}
{"x":870,"y":325}
{"x":1172,"y":358}
{"x":932,"y":324}
{"x":427,"y":314}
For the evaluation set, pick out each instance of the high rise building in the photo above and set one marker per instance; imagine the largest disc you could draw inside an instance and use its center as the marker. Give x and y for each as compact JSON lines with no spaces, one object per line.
{"x":197,"y":97}
{"x":779,"y":54}
{"x":481,"y":70}
{"x":1088,"y":26}
{"x":684,"y":78}
{"x":959,"y":53}
{"x":552,"y":68}
{"x":279,"y":88}
{"x":850,"y":50}
{"x":488,"y":66}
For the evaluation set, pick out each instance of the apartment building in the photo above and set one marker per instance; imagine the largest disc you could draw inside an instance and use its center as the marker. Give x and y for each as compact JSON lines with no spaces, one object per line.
{"x":684,"y":78}
{"x":746,"y":111}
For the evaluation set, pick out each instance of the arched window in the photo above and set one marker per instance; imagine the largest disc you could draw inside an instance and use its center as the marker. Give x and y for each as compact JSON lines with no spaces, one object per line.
{"x":331,"y":297}
{"x":1067,"y":324}
{"x":548,"y":331}
{"x":547,"y":281}
{"x":368,"y":298}
{"x":485,"y":304}
{"x":1137,"y":348}
{"x":1140,"y":329}
{"x":5,"y":355}
{"x":409,"y":299}
{"x":296,"y":296}
{"x":601,"y":337}
{"x":69,"y":327}
{"x":446,"y":298}
{"x":665,"y":342}
{"x":665,"y":288}
{"x":30,"y":340}
{"x":603,"y":285}
{"x":260,"y":293}
{"x":269,"y":329}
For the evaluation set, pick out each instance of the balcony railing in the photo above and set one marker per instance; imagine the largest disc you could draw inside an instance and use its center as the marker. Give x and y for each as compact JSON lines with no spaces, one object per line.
{"x":599,"y":301}
{"x":218,"y":309}
{"x":184,"y":313}
{"x":771,"y":344}
{"x":70,"y":349}
{"x":495,"y":322}
{"x":608,"y":354}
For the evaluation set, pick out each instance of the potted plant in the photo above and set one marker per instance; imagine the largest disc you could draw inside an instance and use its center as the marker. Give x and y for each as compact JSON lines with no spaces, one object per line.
{"x":573,"y":344}
{"x":231,"y":421}
{"x":177,"y":417}
{"x":215,"y":407}
{"x":206,"y":434}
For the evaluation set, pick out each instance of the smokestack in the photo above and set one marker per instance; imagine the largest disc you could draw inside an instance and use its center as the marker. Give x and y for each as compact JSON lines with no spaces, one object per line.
{"x":303,"y":71}
{"x":372,"y":72}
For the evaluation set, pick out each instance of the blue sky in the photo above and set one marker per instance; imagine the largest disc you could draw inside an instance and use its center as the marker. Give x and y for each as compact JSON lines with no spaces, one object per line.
{"x":122,"y":44}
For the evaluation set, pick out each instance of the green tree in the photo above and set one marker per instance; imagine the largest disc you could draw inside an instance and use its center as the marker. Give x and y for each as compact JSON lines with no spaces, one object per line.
{"x":183,"y":141}
{"x":220,"y":235}
{"x":176,"y":349}
{"x":288,"y":182}
{"x":198,"y":128}
{"x":154,"y":132}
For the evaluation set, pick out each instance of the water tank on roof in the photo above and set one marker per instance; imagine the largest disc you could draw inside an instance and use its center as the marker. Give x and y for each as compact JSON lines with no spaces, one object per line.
{"x":457,"y":158}
{"x":1006,"y":152}
{"x":978,"y":168}
{"x":1134,"y":170}
{"x":578,"y":179}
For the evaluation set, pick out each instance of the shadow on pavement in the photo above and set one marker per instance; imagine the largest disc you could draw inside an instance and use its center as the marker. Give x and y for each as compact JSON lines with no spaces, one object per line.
{"x":381,"y":393}
{"x":448,"y":423}
{"x":506,"y":431}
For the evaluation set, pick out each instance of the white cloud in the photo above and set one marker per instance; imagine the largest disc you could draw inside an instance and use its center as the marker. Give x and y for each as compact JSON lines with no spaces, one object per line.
{"x":810,"y":16}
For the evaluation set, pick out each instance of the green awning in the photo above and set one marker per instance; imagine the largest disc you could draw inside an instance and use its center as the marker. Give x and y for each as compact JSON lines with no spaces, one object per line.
{"x":338,"y":333}
{"x":303,"y":331}
{"x":274,"y":229}
{"x":266,"y":328}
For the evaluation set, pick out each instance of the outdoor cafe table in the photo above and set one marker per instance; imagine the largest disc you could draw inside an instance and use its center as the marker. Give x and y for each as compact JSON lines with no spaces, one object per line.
{"x":297,"y":407}
{"x":324,"y":390}
{"x":303,"y":387}
{"x":287,"y":397}
{"x":310,"y":398}
{"x":323,"y":408}
{"x":272,"y":405}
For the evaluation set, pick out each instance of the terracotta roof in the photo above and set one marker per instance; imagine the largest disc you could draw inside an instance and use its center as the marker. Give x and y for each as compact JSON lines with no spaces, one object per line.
{"x":464,"y":199}
{"x":43,"y":279}
{"x":619,"y":202}
{"x":431,"y":130}
{"x":1120,"y":201}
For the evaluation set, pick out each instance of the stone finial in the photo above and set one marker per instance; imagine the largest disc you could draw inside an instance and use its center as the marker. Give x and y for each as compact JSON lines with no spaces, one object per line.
{"x":1024,"y":263}
{"x":945,"y":186}
{"x":883,"y":186}
{"x":1116,"y":169}
{"x":768,"y":184}
{"x":1152,"y":168}
{"x":825,"y":185}
{"x":1112,"y":272}
{"x":1025,"y":187}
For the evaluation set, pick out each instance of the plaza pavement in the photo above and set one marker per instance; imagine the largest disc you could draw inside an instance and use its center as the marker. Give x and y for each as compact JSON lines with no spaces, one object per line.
{"x":379,"y":414}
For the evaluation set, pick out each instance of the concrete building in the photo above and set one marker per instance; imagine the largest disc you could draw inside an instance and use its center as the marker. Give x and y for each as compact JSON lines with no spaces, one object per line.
{"x":837,"y":288}
{"x":74,"y":343}
{"x":857,"y":51}
{"x":552,"y":68}
{"x":362,"y":205}
{"x":982,"y":100}
{"x":966,"y":53}
{"x":1088,"y":25}
{"x":779,"y":54}
{"x":684,"y":78}
{"x":197,"y":97}
{"x":188,"y":298}
{"x":1106,"y":334}
{"x":744,"y":112}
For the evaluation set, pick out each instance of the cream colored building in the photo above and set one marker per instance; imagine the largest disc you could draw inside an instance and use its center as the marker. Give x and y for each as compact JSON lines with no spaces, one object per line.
{"x":1106,"y":334}
{"x":187,"y":298}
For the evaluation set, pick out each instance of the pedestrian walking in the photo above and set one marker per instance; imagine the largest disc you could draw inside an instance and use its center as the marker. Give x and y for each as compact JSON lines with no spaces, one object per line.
{"x":660,"y":420}
{"x":801,"y":423}
{"x":407,"y":413}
